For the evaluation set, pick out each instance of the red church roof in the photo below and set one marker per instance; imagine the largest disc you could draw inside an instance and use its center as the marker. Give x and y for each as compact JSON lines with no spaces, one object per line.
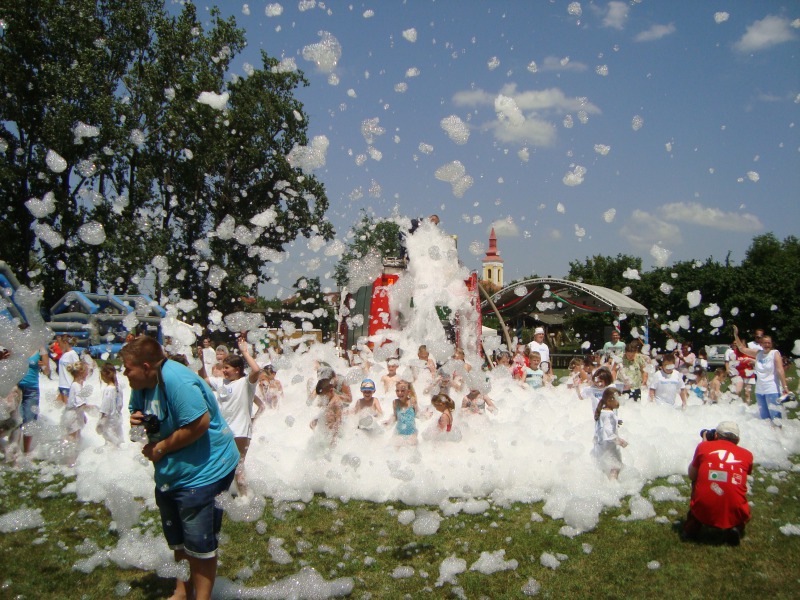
{"x":491,"y":253}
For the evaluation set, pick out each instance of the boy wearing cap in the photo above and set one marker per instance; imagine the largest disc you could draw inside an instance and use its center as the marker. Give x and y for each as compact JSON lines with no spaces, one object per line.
{"x":719,"y":473}
{"x":368,"y":399}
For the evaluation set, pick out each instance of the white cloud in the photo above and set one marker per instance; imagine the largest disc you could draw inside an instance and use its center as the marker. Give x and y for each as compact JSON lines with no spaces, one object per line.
{"x":697,"y":214}
{"x":551,"y":99}
{"x":523,"y":117}
{"x":554,"y":63}
{"x":656,"y":32}
{"x":769,"y":31}
{"x":617,"y":15}
{"x":537,"y":132}
{"x":504,"y":228}
{"x":644,"y":229}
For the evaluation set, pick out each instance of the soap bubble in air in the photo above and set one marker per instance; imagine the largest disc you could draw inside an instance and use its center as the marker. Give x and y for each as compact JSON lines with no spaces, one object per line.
{"x":92,"y":233}
{"x":55,"y":162}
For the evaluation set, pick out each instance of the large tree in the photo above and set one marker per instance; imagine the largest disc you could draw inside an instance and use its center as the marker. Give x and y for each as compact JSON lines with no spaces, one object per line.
{"x":181,"y":166}
{"x":369,"y":234}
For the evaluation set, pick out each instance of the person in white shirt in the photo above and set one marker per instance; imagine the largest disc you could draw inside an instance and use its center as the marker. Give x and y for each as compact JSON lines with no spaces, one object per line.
{"x":110,"y":423}
{"x":538,"y":345}
{"x":770,"y":376}
{"x":74,"y":416}
{"x":68,"y":357}
{"x":606,"y":437}
{"x":208,"y":355}
{"x":236,"y":394}
{"x":758,"y":335}
{"x":666,"y":384}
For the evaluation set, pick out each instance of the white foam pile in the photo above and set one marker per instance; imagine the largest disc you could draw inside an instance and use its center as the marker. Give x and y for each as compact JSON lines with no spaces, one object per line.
{"x":536,"y":447}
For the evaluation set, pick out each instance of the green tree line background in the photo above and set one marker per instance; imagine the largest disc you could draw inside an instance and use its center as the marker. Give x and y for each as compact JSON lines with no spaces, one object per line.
{"x":113,"y":171}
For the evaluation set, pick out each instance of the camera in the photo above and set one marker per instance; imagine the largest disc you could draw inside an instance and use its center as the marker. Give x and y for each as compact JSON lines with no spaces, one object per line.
{"x":151,"y":424}
{"x":708,"y":435}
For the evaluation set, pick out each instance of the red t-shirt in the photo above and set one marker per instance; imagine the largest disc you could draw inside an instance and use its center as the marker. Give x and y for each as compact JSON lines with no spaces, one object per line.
{"x":745,"y":366}
{"x":719,"y":496}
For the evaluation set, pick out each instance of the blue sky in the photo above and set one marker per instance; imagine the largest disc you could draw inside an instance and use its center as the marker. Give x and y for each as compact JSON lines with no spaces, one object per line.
{"x":663,"y":129}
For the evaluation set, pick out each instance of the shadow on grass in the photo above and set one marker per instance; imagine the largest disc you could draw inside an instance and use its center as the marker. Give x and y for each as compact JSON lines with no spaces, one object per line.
{"x":151,"y":587}
{"x":707,"y":536}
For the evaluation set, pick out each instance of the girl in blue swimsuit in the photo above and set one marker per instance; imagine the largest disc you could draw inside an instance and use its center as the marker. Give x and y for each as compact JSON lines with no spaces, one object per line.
{"x":404,"y":412}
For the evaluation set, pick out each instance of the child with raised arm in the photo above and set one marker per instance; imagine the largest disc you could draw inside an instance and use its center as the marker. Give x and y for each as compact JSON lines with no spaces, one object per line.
{"x":236,"y":394}
{"x":110,"y":423}
{"x":607,"y":442}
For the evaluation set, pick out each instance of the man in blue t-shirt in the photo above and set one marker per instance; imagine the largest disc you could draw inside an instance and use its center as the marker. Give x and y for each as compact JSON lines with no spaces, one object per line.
{"x":193,"y":454}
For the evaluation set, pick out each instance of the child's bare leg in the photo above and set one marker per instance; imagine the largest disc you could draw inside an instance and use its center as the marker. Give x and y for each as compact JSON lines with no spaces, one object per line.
{"x":242,"y":444}
{"x":183,"y":589}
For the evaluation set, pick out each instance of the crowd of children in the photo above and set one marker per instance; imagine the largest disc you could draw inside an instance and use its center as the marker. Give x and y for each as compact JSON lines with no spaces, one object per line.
{"x":453,"y":389}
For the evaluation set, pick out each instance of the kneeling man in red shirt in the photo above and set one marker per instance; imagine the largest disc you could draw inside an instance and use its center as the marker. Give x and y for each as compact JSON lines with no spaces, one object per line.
{"x":719,"y":473}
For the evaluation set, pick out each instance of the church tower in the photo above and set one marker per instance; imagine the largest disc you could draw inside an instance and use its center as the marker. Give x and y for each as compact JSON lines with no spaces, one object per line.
{"x":493,"y":263}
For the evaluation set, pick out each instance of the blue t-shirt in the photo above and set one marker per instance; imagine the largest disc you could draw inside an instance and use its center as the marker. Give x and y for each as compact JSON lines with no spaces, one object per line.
{"x":188,"y":398}
{"x":535,"y":379}
{"x":31,"y":378}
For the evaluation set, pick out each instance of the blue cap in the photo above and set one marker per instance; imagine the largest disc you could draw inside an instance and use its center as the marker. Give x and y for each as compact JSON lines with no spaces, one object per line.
{"x":368,"y":385}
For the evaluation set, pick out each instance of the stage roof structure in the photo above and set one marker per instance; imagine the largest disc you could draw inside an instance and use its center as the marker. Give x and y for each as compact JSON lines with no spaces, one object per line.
{"x":549,"y":300}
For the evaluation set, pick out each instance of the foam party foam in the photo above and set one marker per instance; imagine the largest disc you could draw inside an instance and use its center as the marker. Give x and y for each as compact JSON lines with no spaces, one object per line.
{"x":534,"y":448}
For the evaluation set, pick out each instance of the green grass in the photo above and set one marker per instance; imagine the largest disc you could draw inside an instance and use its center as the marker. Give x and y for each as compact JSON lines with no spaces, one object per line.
{"x":365,"y":541}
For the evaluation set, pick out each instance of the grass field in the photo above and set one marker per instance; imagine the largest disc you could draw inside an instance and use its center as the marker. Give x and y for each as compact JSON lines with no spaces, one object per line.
{"x":385,"y":559}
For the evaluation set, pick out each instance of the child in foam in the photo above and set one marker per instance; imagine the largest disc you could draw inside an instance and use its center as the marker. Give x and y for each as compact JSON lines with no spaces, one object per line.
{"x":269,"y":389}
{"x":404,"y":414}
{"x":607,"y":442}
{"x":666,"y":384}
{"x":68,"y":357}
{"x":10,"y":422}
{"x":476,"y":403}
{"x":536,"y":376}
{"x":715,"y":385}
{"x":236,"y":394}
{"x":331,"y":416}
{"x":110,"y":423}
{"x":576,"y":376}
{"x":601,"y":380}
{"x":74,"y":417}
{"x":368,"y":408}
{"x":389,"y":381}
{"x":368,"y":402}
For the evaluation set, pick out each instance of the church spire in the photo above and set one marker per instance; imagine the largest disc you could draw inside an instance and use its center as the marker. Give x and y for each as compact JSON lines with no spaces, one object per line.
{"x":493,"y":262}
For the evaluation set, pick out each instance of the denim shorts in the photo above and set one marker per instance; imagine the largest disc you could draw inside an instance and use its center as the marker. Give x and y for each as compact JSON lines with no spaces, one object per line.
{"x":190,"y":518}
{"x":30,"y":404}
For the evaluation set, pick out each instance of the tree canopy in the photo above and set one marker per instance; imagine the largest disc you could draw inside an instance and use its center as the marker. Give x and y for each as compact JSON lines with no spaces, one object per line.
{"x":369,"y":235}
{"x":128,"y":150}
{"x":698,"y":301}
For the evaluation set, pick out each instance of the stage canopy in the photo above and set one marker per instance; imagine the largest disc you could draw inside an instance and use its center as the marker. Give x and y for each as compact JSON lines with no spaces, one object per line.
{"x":549,"y":300}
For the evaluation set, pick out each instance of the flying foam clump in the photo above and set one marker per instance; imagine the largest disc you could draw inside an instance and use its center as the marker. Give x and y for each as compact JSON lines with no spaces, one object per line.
{"x":214,"y":100}
{"x":455,"y":129}
{"x":309,"y":158}
{"x":456,"y":175}
{"x":325,"y":53}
